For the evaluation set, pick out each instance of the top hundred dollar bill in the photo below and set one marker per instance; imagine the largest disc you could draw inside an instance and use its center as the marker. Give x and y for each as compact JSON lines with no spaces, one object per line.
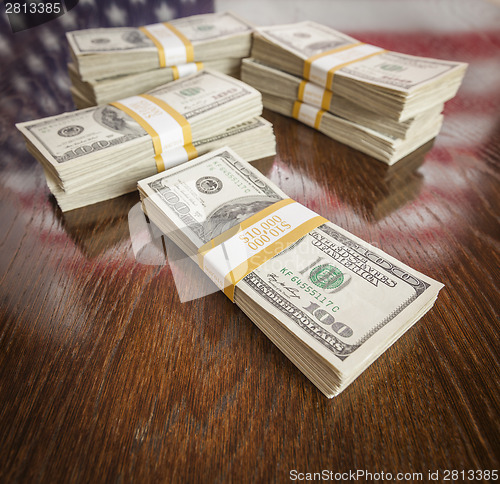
{"x":107,"y":52}
{"x":391,"y":83}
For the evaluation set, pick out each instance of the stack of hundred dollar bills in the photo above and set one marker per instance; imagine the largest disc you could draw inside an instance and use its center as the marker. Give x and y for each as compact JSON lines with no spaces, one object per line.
{"x":113,"y":63}
{"x":99,"y":153}
{"x":329,"y":301}
{"x":382,"y":103}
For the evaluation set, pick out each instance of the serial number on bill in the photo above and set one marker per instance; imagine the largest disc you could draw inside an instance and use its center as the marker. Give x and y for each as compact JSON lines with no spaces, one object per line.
{"x":33,"y":7}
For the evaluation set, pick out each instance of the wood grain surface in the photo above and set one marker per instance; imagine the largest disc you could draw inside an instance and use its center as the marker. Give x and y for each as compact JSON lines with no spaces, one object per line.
{"x":106,"y":376}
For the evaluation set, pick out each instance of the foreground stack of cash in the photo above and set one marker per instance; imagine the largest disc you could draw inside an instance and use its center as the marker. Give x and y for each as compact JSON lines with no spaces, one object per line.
{"x":331,"y":302}
{"x":113,"y":63}
{"x":382,"y":103}
{"x":99,"y":153}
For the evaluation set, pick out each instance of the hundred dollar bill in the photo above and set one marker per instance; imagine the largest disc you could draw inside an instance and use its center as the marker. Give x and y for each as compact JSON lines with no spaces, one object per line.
{"x":330,"y":301}
{"x":374,"y":142}
{"x":275,"y":82}
{"x":95,"y":142}
{"x":253,"y":139}
{"x":101,"y":91}
{"x":394,"y":84}
{"x":114,"y":51}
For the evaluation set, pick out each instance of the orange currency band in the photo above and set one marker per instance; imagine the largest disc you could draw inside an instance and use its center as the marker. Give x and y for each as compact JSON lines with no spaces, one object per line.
{"x":161,"y":50}
{"x":256,"y":260}
{"x":325,"y":101}
{"x":333,"y":70}
{"x":296,"y":114}
{"x":175,"y":72}
{"x":178,"y":75}
{"x":179,"y":118}
{"x":191,"y":153}
{"x":308,"y":62}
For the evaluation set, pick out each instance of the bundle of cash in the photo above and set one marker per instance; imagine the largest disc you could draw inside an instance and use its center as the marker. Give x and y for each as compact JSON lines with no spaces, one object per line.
{"x":373,"y":142}
{"x":99,"y":53}
{"x":99,"y":153}
{"x":394,"y":85}
{"x":329,"y":301}
{"x":102,"y":91}
{"x":113,"y":63}
{"x":383,"y":138}
{"x":270,"y":80}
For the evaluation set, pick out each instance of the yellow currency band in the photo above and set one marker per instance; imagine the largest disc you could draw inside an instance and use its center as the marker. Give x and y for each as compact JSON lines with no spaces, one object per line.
{"x":190,"y":151}
{"x":181,"y":120}
{"x":175,"y":70}
{"x":325,"y":101}
{"x":256,"y":260}
{"x":296,"y":111}
{"x":161,"y":50}
{"x":333,"y":70}
{"x":308,"y":62}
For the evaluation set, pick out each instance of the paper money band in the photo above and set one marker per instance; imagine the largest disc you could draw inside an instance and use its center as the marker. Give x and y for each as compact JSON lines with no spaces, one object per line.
{"x":185,"y":70}
{"x":173,"y":47}
{"x":315,"y":95}
{"x":169,"y":130}
{"x":234,"y":254}
{"x":175,"y":157}
{"x":321,"y":67}
{"x":307,"y":114}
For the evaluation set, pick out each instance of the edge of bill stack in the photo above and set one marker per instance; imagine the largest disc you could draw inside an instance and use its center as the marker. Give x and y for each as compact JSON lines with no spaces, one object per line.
{"x":99,"y":153}
{"x":126,"y":50}
{"x":395,"y":85}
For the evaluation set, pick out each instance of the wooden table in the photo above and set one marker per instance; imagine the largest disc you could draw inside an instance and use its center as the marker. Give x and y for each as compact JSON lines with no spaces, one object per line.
{"x":105,"y":376}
